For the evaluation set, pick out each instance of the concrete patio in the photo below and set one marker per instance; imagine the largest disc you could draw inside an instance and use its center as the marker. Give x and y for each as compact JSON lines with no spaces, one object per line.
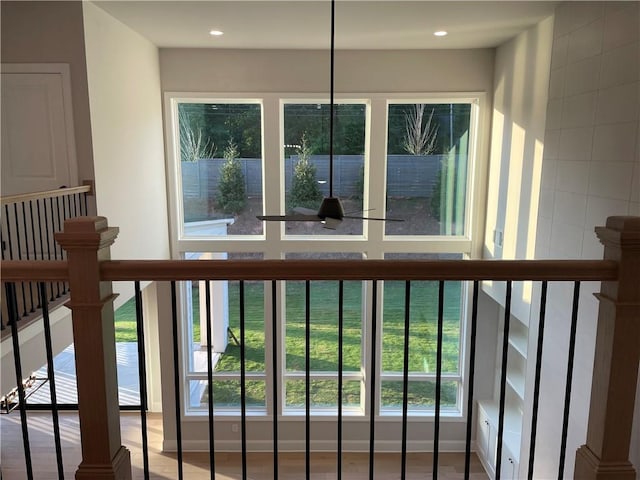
{"x":65,"y":376}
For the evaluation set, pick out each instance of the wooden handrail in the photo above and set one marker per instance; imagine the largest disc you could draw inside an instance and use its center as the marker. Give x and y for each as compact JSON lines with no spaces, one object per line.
{"x":60,"y":192}
{"x":166,"y":270}
{"x":34,"y":270}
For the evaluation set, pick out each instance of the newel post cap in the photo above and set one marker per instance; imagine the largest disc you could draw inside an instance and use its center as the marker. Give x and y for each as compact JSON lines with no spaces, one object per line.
{"x":621,"y":231}
{"x":86,"y":232}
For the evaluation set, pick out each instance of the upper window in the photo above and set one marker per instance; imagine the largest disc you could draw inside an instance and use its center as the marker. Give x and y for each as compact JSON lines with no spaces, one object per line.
{"x":306,"y":162}
{"x":220,"y":168}
{"x":427,"y":163}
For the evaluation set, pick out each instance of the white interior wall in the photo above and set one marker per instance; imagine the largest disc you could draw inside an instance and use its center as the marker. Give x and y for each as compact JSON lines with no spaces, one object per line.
{"x":519,"y":110}
{"x":214,"y":70}
{"x":591,"y":170}
{"x":521,"y":83}
{"x":126,"y":123}
{"x":51,"y":32}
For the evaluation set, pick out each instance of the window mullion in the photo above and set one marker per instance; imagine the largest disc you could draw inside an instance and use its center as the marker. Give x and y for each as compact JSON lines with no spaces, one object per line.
{"x":272,"y":171}
{"x":375,"y":168}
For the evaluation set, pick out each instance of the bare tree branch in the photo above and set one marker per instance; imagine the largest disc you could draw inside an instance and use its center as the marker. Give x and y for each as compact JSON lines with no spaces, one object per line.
{"x":419,"y":139}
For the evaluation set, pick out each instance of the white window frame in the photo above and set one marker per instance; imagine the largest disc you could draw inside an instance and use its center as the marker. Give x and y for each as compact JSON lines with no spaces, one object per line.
{"x":374,"y":243}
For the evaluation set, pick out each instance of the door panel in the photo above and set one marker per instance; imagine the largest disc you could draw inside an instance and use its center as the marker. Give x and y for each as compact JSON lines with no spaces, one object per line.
{"x":38,"y":152}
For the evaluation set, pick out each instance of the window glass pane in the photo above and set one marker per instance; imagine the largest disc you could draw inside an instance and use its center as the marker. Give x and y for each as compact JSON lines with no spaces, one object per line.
{"x":254,"y":328}
{"x":427,"y":161}
{"x":423,"y":324}
{"x":225,"y":320}
{"x":221,"y":168}
{"x":322,"y":393}
{"x":323,"y":322}
{"x":323,"y":325}
{"x":306,"y":163}
{"x":226,"y":394}
{"x":421,"y":394}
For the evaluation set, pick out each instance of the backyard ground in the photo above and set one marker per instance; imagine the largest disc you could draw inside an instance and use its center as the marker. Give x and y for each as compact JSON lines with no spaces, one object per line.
{"x":418,"y":220}
{"x":415,"y":213}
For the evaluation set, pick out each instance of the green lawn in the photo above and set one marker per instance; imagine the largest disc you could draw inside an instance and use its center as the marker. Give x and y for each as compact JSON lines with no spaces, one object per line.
{"x":323,"y":343}
{"x":125,"y":322}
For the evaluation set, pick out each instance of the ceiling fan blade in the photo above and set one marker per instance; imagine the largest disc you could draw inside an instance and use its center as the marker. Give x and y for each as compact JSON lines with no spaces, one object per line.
{"x":305,"y":211}
{"x":359,"y":211}
{"x":289,"y":218}
{"x":373,"y":218}
{"x":331,"y":223}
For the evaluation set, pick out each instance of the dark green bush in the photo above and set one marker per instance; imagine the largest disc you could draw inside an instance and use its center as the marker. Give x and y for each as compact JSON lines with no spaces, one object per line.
{"x":231,"y":196}
{"x":305,"y":191}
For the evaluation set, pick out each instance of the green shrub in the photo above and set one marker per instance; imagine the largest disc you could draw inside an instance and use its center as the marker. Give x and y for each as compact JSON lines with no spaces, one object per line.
{"x":231,"y":196}
{"x":305,"y":191}
{"x":436,"y":193}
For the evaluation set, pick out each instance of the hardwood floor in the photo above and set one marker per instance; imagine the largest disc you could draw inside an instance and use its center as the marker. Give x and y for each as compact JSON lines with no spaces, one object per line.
{"x":355,"y":466}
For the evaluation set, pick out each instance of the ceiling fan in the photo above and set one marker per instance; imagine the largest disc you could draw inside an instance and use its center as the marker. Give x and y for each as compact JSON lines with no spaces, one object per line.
{"x":331,"y":213}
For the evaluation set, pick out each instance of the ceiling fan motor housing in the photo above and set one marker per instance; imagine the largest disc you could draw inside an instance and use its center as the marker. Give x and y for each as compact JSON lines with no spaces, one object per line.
{"x":331,"y":207}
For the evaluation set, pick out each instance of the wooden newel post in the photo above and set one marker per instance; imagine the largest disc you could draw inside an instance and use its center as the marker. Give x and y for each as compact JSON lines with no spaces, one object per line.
{"x":615,"y":371}
{"x":87,"y":241}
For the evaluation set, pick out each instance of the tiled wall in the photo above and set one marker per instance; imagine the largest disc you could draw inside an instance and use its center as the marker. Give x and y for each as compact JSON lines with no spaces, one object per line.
{"x":591,"y":166}
{"x":591,"y":170}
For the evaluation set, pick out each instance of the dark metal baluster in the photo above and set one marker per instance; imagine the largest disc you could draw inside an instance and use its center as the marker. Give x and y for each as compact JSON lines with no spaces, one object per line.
{"x":86,"y":209}
{"x":536,"y":384}
{"x":2,"y":319}
{"x":212,"y":461}
{"x":40,"y":229}
{"x":12,"y":308}
{"x":35,"y":256}
{"x":372,"y":413}
{"x":340,"y":368}
{"x":142,"y":376}
{"x":47,"y":234}
{"x":6,"y":213}
{"x":405,"y":379}
{"x":176,"y":376}
{"x":52,"y":379}
{"x":17,"y":225}
{"x":10,"y":244}
{"x":60,"y":224}
{"x":68,"y":199}
{"x":567,"y":393}
{"x":436,"y":426}
{"x":26,"y":249}
{"x":40,"y":234}
{"x":472,"y":368}
{"x":274,"y":332}
{"x":76,"y":210}
{"x":243,"y":386}
{"x":503,"y":377}
{"x":53,"y":240}
{"x":307,"y":378}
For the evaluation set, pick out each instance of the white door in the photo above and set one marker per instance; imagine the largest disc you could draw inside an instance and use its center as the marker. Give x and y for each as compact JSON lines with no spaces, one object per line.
{"x":38,"y":146}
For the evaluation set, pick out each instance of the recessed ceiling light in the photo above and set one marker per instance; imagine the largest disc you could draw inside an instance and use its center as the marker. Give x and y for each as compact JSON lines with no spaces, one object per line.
{"x":215,"y":33}
{"x":440,"y":33}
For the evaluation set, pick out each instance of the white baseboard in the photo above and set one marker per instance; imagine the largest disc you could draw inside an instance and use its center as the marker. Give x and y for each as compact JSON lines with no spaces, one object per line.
{"x":382,"y":446}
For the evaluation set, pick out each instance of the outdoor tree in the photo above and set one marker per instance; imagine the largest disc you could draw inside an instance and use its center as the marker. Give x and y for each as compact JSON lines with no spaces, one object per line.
{"x":231,"y":196}
{"x":420,"y":135}
{"x":193,"y":146}
{"x":305,"y":191}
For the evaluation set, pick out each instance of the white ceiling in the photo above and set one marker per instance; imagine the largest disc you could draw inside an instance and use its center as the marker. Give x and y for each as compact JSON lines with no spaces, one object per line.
{"x":305,"y":24}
